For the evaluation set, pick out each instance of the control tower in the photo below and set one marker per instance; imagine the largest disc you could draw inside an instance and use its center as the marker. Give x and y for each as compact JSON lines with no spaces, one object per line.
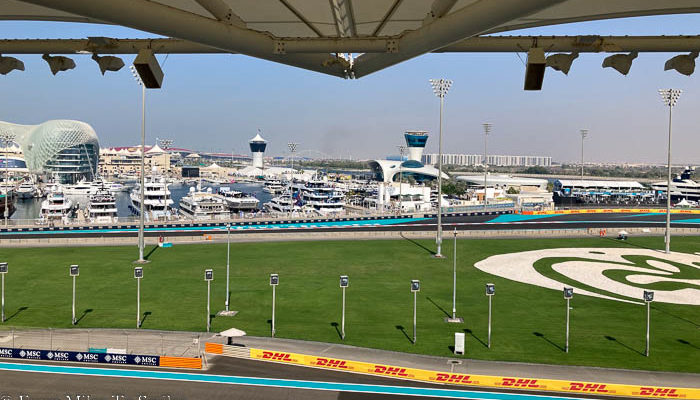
{"x":257,"y":147}
{"x":415,"y":141}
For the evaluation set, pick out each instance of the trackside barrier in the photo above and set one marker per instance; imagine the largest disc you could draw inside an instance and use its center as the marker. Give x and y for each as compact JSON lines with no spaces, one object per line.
{"x":102,"y":357}
{"x":606,"y":389}
{"x":611,"y":210}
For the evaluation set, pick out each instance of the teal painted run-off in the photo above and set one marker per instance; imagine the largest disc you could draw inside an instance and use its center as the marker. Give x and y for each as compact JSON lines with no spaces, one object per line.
{"x":271,"y":382}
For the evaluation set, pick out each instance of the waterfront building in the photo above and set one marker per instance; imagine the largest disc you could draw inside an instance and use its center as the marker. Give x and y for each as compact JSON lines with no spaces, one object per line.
{"x":410,"y":168}
{"x":495,"y":160}
{"x":121,"y":161}
{"x":64,"y":150}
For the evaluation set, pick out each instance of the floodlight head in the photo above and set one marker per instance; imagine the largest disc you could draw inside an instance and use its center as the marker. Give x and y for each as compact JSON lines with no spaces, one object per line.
{"x":534,"y":71}
{"x":3,"y":268}
{"x":648,"y":296}
{"x":108,"y":63}
{"x":561,"y":62}
{"x":415,"y":285}
{"x":148,"y":69}
{"x":58,"y":63}
{"x":9,"y":64}
{"x":274,"y":279}
{"x":344,"y":281}
{"x":74,"y":270}
{"x":487,"y":127}
{"x":292,"y":146}
{"x":441,"y":87}
{"x":490,"y":289}
{"x":584,"y":133}
{"x":670,"y":96}
{"x":684,"y":63}
{"x":568,"y":292}
{"x":620,"y":62}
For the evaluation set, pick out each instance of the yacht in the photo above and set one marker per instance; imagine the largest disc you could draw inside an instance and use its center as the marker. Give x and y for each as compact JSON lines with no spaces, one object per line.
{"x":284,"y":203}
{"x":237,"y":200}
{"x":203,"y":205}
{"x":7,"y":197}
{"x":81,"y":188}
{"x":102,"y":207}
{"x":273,"y":186}
{"x":320,"y":196}
{"x":682,"y":187}
{"x":56,"y":207}
{"x":157,"y":201}
{"x":27,"y":190}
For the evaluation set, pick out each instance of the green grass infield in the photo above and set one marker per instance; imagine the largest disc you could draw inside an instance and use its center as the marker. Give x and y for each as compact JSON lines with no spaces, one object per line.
{"x":528,"y":321}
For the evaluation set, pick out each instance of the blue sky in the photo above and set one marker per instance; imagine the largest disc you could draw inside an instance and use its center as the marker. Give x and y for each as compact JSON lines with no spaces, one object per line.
{"x":217,"y":102}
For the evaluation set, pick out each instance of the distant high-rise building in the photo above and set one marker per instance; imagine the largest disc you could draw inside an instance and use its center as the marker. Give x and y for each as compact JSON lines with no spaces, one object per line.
{"x":496,"y":160}
{"x":257,"y":147}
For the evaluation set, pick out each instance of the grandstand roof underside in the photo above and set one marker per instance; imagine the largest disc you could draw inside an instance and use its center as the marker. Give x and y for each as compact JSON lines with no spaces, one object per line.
{"x":309,"y":33}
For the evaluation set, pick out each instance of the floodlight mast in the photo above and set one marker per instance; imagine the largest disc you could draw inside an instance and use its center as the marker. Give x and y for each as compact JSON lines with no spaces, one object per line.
{"x":402,"y":149}
{"x":487,"y":130}
{"x":669,"y":98}
{"x":7,"y":138}
{"x":440,"y":88}
{"x":143,"y":168}
{"x":584,"y":134}
{"x":292,"y":149}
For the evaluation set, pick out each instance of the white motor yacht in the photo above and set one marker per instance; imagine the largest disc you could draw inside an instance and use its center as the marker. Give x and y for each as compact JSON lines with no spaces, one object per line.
{"x":203,"y":205}
{"x":157,"y":201}
{"x":56,"y":207}
{"x":238,"y":201}
{"x":322,"y":197}
{"x":27,"y":190}
{"x":102,"y":207}
{"x":682,"y":187}
{"x":81,"y":188}
{"x":273,"y":186}
{"x":285,"y":203}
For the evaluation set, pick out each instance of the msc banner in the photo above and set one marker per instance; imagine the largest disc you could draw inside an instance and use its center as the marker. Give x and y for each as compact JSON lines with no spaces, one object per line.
{"x":79,"y":356}
{"x":467,"y":379}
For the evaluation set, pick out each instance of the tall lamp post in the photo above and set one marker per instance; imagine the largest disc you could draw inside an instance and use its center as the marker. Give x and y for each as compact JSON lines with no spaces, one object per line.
{"x":584,"y":133}
{"x":454,"y":318}
{"x":292,"y":149}
{"x":228,"y":258}
{"x":7,"y":138}
{"x":143,"y":167}
{"x":670,"y":98}
{"x":402,"y":149}
{"x":440,"y":88}
{"x":487,"y":130}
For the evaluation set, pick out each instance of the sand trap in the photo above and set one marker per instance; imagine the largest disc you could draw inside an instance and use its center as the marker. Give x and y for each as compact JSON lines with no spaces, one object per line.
{"x":520,"y":267}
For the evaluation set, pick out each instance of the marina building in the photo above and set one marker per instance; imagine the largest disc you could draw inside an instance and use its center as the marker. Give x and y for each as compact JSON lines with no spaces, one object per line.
{"x":410,"y":168}
{"x":496,"y":160}
{"x":569,"y":191}
{"x":64,"y":150}
{"x":121,"y":161}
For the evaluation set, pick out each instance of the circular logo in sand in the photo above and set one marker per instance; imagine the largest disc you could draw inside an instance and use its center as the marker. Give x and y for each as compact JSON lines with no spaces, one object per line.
{"x":620,"y":274}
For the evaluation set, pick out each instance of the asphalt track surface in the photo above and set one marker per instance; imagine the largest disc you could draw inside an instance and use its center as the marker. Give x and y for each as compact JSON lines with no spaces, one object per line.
{"x":278,"y":382}
{"x":463,"y":222}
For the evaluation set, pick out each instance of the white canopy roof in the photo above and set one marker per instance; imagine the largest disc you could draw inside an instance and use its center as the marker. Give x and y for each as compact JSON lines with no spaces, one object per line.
{"x":310,"y":33}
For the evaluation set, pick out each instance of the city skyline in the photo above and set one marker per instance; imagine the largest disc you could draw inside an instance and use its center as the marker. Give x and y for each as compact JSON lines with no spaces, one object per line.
{"x":225,"y":99}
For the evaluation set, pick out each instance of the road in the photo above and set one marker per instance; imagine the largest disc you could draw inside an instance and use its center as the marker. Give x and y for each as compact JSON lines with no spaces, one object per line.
{"x":491,"y":221}
{"x":226,"y":379}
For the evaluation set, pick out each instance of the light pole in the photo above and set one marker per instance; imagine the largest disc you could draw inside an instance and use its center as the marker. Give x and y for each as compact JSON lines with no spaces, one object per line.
{"x":138,"y":274}
{"x":584,"y":133}
{"x":568,"y":294}
{"x":402,"y":148}
{"x":454,"y":318}
{"x":143,"y":168}
{"x":648,"y":298}
{"x":3,"y":271}
{"x":228,"y":258}
{"x":274,"y":281}
{"x":490,"y":292}
{"x":415,"y":288}
{"x":440,"y":88}
{"x":7,"y":138}
{"x":344,"y":283}
{"x":74,"y":272}
{"x":292,"y":149}
{"x":166,"y":145}
{"x":487,"y":130}
{"x":208,"y":276}
{"x":670,"y":98}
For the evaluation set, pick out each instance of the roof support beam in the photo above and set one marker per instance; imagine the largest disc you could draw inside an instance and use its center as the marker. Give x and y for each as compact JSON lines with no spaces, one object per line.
{"x":301,"y":18}
{"x":163,"y":20}
{"x":466,"y":22}
{"x":438,"y":10}
{"x":480,"y":44}
{"x":222,"y":12}
{"x":344,"y":18}
{"x":390,"y":12}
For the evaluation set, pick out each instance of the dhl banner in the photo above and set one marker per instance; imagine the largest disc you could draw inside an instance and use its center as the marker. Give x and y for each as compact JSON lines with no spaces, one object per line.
{"x":611,"y":210}
{"x":464,"y":379}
